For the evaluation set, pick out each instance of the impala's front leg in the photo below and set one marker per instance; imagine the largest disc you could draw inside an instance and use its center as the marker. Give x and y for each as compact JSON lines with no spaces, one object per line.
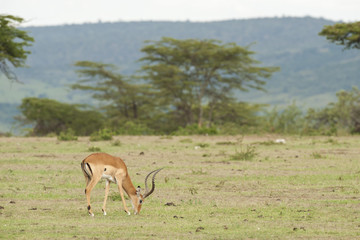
{"x":107,"y":186}
{"x":119,"y":183}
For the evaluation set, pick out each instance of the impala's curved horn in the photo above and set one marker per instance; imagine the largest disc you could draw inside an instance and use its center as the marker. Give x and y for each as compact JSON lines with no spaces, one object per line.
{"x":147,"y":192}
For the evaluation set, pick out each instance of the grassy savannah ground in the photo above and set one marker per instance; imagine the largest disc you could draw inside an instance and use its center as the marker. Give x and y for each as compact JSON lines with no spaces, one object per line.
{"x":218,"y":187}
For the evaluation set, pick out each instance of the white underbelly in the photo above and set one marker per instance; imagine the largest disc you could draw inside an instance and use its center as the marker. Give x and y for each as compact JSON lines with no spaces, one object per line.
{"x":108,"y":177}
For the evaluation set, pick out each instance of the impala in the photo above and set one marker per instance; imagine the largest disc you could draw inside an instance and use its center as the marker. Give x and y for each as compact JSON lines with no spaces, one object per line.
{"x":99,"y":166}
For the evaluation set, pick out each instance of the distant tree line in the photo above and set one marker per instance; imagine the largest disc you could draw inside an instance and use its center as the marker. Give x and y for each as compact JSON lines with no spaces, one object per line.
{"x":186,"y":87}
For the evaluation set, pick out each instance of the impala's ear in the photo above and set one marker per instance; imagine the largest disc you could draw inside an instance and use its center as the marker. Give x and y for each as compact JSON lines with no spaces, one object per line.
{"x":138,"y":189}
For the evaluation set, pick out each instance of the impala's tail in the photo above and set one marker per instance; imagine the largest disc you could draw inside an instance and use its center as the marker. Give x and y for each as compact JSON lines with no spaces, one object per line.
{"x":85,"y":167}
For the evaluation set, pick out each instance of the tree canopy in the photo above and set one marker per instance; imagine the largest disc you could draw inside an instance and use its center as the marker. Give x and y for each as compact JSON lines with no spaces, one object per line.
{"x":347,"y":34}
{"x":50,"y":116}
{"x":12,"y":45}
{"x":193,"y":74}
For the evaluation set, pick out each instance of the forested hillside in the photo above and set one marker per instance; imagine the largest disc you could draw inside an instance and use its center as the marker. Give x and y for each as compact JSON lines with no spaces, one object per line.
{"x":312,"y":70}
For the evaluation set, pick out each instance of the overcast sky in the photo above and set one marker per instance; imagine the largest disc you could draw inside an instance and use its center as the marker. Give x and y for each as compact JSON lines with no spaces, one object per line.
{"x":58,"y":12}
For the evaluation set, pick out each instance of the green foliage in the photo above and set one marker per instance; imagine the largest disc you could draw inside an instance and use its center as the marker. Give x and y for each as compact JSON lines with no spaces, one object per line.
{"x":245,"y":153}
{"x":342,"y":116}
{"x":192,"y":74}
{"x":203,"y":145}
{"x":347,"y":34}
{"x":50,"y":116}
{"x":195,"y":130}
{"x":304,"y":60}
{"x":6,"y":134}
{"x":133,"y":128}
{"x":104,"y":134}
{"x":12,"y":44}
{"x":67,"y":135}
{"x":289,"y":120}
{"x":116,"y":143}
{"x":233,"y":118}
{"x":126,"y":99}
{"x":94,"y":149}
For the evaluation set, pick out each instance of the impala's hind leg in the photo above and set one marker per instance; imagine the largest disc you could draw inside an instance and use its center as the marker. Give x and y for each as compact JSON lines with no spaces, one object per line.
{"x":88,"y":190}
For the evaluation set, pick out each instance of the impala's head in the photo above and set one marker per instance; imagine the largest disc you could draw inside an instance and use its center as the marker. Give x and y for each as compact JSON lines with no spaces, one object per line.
{"x":138,"y":202}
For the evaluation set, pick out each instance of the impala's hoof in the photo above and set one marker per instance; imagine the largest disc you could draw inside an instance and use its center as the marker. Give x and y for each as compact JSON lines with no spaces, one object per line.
{"x":91,"y":215}
{"x":128,"y":213}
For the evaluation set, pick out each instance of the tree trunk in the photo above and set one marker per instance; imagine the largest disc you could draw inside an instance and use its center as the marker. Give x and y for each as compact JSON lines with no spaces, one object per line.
{"x":211,"y":114}
{"x":134,"y":106}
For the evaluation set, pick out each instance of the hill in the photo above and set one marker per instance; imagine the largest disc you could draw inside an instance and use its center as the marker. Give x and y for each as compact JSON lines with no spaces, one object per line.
{"x":312,"y":70}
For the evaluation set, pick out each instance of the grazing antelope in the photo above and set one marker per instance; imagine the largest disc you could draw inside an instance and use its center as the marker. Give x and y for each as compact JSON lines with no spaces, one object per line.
{"x":104,"y":166}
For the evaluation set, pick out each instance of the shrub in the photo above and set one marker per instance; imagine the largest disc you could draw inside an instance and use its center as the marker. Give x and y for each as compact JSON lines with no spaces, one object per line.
{"x":94,"y":149}
{"x":246,"y":153}
{"x":68,"y":135}
{"x":116,"y":143}
{"x":102,"y":135}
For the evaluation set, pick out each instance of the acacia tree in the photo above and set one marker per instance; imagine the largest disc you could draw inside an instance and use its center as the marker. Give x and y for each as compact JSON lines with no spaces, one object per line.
{"x":347,"y":34}
{"x":194,"y":74}
{"x":12,"y":43}
{"x":124,"y":100}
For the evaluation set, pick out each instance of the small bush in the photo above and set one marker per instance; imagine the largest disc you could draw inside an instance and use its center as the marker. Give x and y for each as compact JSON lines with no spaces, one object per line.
{"x":116,"y":143}
{"x":246,"y":154}
{"x":102,"y":135}
{"x":68,"y":135}
{"x":94,"y":149}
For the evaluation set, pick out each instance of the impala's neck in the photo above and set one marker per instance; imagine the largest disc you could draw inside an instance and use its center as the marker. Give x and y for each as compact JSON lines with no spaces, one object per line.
{"x":129,"y":187}
{"x":131,"y":192}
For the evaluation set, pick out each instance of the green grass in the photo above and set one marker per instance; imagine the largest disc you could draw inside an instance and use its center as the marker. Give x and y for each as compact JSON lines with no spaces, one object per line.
{"x":307,"y":188}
